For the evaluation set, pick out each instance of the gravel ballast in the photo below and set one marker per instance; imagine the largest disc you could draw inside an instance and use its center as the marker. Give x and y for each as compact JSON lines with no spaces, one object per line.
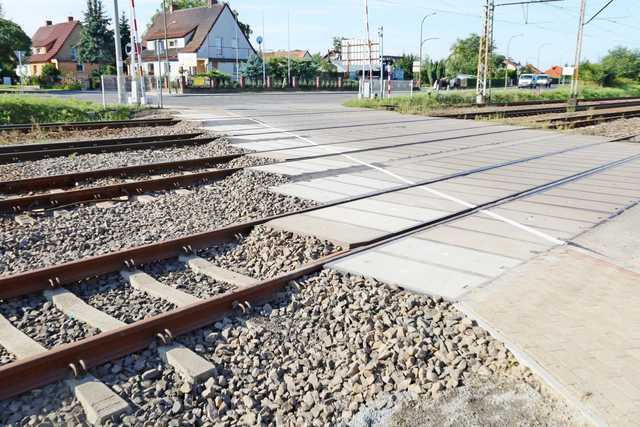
{"x":43,"y":322}
{"x":614,"y":129}
{"x":178,"y":275}
{"x":90,"y":230}
{"x":333,"y":349}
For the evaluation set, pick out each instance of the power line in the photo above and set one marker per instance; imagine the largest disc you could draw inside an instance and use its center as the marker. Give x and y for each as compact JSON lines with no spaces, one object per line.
{"x":599,"y":12}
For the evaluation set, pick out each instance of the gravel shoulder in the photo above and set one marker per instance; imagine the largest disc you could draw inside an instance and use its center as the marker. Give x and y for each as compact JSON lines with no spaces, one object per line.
{"x":614,"y":129}
{"x":89,"y":230}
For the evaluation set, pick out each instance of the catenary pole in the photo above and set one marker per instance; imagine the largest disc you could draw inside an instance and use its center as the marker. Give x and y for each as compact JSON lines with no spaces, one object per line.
{"x":421,"y":43}
{"x":288,"y":48}
{"x":264,"y":66}
{"x":119,"y":62}
{"x":381,"y":45}
{"x":575,"y":82}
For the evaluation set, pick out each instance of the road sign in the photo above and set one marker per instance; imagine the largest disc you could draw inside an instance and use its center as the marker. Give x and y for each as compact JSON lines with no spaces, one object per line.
{"x":259,"y":40}
{"x":568,"y":71}
{"x":416,"y":66}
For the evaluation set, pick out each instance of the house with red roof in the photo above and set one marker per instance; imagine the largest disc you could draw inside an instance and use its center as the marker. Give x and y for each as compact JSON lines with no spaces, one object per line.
{"x":555,"y":72}
{"x":198,"y":40}
{"x":57,"y":44}
{"x":298,"y":54}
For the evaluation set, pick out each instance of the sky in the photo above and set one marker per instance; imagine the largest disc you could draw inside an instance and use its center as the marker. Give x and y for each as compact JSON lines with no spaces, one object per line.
{"x":548,"y":30}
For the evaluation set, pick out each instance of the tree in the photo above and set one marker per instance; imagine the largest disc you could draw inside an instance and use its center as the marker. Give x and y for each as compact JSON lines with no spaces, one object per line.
{"x":12,"y":38}
{"x":96,"y":39}
{"x":125,"y":32}
{"x":252,"y":69}
{"x":49,"y":76}
{"x":596,"y":73}
{"x":623,"y":62}
{"x":405,"y":63}
{"x":245,"y":28}
{"x":463,"y":58}
{"x":337,"y":46}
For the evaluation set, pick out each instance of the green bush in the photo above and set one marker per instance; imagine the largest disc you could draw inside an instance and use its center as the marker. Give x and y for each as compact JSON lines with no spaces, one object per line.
{"x":15,"y":109}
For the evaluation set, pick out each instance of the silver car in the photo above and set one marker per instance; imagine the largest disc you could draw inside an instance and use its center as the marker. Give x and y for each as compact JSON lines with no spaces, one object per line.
{"x":527,"y":81}
{"x":543,"y":80}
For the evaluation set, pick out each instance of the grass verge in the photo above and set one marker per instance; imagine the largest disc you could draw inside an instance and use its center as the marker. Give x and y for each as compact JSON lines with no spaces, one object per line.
{"x":17,"y":109}
{"x":424,"y":103}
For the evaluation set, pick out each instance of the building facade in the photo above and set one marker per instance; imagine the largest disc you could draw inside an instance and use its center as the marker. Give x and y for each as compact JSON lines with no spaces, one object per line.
{"x":198,"y":40}
{"x":57,"y":44}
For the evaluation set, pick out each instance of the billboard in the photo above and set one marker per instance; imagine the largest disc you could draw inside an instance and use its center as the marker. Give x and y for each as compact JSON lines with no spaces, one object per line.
{"x":356,"y":52}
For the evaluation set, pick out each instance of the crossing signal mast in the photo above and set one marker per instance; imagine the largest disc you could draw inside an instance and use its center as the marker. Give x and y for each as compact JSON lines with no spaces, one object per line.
{"x":486,"y":47}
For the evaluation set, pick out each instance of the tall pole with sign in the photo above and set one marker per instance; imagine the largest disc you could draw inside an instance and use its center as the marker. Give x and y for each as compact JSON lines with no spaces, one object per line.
{"x":19,"y":55}
{"x":264,"y":71}
{"x":136,"y":46}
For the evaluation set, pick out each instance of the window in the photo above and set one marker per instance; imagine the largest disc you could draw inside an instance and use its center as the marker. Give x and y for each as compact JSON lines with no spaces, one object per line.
{"x":218,"y":45}
{"x":172,"y":43}
{"x":74,"y":54}
{"x":80,"y":67}
{"x":150,"y":69}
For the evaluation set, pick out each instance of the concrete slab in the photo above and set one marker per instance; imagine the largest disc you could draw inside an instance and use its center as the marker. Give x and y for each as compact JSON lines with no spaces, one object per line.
{"x":99,"y":402}
{"x":147,"y":284}
{"x":304,"y":192}
{"x":202,"y":266}
{"x":573,"y":318}
{"x":454,"y":257}
{"x":617,"y":239}
{"x":193,"y":368}
{"x":411,"y":275}
{"x":339,"y":233}
{"x":342,"y":214}
{"x":76,"y":308}
{"x":17,"y":342}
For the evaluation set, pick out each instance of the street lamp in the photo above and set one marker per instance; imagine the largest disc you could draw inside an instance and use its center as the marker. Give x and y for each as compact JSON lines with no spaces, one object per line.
{"x":506,"y":68}
{"x":539,"y":49}
{"x":421,"y":43}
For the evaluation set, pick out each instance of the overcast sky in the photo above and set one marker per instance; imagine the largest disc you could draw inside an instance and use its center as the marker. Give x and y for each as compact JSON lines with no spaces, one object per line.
{"x":546,"y":28}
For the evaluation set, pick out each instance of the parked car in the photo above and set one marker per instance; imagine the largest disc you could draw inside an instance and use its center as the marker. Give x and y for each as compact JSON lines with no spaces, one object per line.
{"x":527,"y":81}
{"x":543,"y":80}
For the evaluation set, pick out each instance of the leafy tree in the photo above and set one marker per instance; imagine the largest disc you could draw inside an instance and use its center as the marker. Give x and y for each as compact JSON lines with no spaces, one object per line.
{"x":463,"y":58}
{"x":337,"y":46}
{"x":49,"y":75}
{"x":596,"y":73}
{"x":321,"y":65}
{"x":245,"y":28}
{"x":623,"y":62}
{"x":96,"y":39}
{"x":405,"y":63}
{"x":277,"y":68}
{"x":12,"y":38}
{"x":125,"y":32}
{"x":433,"y":70}
{"x":252,"y":69}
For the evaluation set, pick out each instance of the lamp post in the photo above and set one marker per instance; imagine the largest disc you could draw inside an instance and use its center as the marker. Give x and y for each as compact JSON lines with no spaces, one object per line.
{"x":421,"y":43}
{"x":539,"y":49}
{"x":506,"y":69}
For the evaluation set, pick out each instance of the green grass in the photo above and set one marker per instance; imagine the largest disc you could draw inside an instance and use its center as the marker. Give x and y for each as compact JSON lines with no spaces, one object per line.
{"x":16,"y":109}
{"x":423,"y":103}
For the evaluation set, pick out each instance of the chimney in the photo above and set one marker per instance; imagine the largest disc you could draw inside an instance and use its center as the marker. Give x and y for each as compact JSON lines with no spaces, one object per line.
{"x":212,"y":3}
{"x":70,"y":18}
{"x":48,"y":23}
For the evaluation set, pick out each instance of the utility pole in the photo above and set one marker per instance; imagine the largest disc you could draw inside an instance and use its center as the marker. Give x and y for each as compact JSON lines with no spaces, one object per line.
{"x":138,"y":52}
{"x":483,"y":83}
{"x":288,"y":48}
{"x":381,"y":44}
{"x":506,"y":68}
{"x":264,"y":66}
{"x":484,"y":54}
{"x":119,"y":63}
{"x":575,"y":82}
{"x":166,"y":46}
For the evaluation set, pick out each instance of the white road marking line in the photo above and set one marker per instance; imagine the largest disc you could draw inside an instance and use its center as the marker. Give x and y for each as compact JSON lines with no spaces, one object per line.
{"x":493,"y":215}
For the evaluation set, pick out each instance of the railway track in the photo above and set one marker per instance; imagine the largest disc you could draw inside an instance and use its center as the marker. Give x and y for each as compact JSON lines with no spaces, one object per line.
{"x":60,"y":199}
{"x":11,"y":154}
{"x":589,"y":118}
{"x":532,"y":109}
{"x":76,"y":358}
{"x":111,"y":124}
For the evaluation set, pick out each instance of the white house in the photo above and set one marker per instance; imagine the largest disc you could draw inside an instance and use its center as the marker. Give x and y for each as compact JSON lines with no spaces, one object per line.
{"x":199,"y":40}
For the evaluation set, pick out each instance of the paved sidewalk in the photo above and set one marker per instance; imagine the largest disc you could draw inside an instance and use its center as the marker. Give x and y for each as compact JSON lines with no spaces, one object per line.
{"x":574,"y":317}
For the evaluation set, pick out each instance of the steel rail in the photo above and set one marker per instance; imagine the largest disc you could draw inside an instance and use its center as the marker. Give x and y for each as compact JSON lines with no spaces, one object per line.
{"x":110,"y":124}
{"x":55,"y":181}
{"x":56,"y":364}
{"x":70,"y":179}
{"x":40,"y":279}
{"x":37,"y":154}
{"x":582,"y":120}
{"x":20,"y":148}
{"x":536,"y":111}
{"x":48,"y":200}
